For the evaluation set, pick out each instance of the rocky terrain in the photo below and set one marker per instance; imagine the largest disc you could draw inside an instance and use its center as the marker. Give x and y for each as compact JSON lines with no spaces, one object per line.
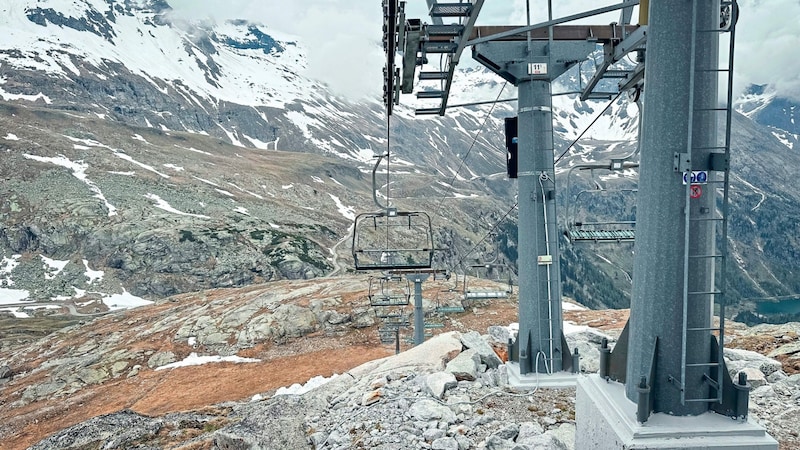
{"x":125,"y":380}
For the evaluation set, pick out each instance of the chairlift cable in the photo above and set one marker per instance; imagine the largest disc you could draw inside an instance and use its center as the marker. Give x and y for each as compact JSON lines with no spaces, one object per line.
{"x":569,"y":147}
{"x":474,"y":141}
{"x":497,"y":224}
{"x":388,"y":155}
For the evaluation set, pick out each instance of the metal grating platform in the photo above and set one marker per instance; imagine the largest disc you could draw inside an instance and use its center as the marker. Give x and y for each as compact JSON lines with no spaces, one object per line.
{"x":451,"y":9}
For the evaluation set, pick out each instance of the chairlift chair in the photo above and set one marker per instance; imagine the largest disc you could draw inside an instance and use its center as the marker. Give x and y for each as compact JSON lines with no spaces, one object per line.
{"x":393,"y":240}
{"x":389,"y":291}
{"x":599,"y":231}
{"x":390,"y":239}
{"x":493,"y":271}
{"x":388,"y":335}
{"x":450,"y":303}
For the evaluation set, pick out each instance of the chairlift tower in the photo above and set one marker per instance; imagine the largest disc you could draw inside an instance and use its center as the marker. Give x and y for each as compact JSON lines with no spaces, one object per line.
{"x":668,"y":360}
{"x":530,"y":58}
{"x":531,"y":66}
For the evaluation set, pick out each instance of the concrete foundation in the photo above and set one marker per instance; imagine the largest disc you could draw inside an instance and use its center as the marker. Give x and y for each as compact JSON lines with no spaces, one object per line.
{"x":533,"y":380}
{"x":606,"y":419}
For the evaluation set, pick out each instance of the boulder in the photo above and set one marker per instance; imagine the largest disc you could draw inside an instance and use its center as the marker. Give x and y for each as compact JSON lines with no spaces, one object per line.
{"x":426,"y":410}
{"x":588,"y":344}
{"x":786,"y":349}
{"x":564,"y":435}
{"x":445,"y":443}
{"x":295,"y":321}
{"x":740,"y":359}
{"x":465,"y":366}
{"x":508,"y":432}
{"x":499,"y":335}
{"x":430,"y":356}
{"x":473,"y":340}
{"x":283,"y":416}
{"x":161,"y":359}
{"x":528,"y":430}
{"x":438,"y":383}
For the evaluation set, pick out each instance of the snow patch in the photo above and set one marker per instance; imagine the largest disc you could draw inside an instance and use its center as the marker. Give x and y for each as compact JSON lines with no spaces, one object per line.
{"x":55,"y":267}
{"x":11,"y":296}
{"x":299,"y":389}
{"x":194,"y":360}
{"x":92,"y":275}
{"x":124,"y":301}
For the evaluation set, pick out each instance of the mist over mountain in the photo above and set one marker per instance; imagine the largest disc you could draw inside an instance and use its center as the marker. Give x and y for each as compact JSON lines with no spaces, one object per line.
{"x":177,"y":156}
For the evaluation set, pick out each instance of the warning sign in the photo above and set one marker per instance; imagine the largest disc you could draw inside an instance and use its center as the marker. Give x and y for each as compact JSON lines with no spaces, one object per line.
{"x":697,"y":177}
{"x":695,"y":191}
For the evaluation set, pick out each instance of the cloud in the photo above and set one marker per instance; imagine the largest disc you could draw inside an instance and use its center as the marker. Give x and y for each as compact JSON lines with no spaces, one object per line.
{"x":342,"y":38}
{"x":767,"y":39}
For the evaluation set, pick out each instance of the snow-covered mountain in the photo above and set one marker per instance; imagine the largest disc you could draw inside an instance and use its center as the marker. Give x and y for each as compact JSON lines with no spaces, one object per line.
{"x":762,"y":104}
{"x":211,"y":142}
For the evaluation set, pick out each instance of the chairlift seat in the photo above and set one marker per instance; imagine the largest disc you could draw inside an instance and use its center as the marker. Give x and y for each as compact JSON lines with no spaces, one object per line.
{"x":486,"y":295}
{"x":394,"y":323}
{"x":388,"y":301}
{"x":386,"y":313}
{"x":601,"y":235}
{"x":476,"y":293}
{"x":450,"y":309}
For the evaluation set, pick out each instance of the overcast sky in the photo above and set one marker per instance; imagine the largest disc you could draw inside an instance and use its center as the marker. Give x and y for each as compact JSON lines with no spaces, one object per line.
{"x":343,"y":36}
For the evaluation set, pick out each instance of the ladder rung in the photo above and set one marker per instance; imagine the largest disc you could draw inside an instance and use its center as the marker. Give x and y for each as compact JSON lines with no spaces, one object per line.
{"x":704,"y":329}
{"x":703,"y":365}
{"x":430,"y":94}
{"x":711,"y":109}
{"x":705,"y":400}
{"x":439,"y":47}
{"x":706,"y":219}
{"x":426,"y":111}
{"x":444,"y":30}
{"x":705,"y":293}
{"x":706,"y":256}
{"x":617,"y":73}
{"x":432,"y":75}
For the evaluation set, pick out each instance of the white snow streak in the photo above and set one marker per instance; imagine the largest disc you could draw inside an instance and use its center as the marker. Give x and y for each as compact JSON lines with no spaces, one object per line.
{"x":162,"y":204}
{"x":78,"y":171}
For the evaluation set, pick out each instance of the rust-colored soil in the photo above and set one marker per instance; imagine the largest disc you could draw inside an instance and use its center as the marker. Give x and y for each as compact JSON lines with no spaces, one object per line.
{"x":156,"y":393}
{"x":186,"y":388}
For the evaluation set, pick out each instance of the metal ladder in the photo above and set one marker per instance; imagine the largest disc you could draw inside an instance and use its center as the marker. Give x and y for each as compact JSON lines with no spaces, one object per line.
{"x":719,"y":178}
